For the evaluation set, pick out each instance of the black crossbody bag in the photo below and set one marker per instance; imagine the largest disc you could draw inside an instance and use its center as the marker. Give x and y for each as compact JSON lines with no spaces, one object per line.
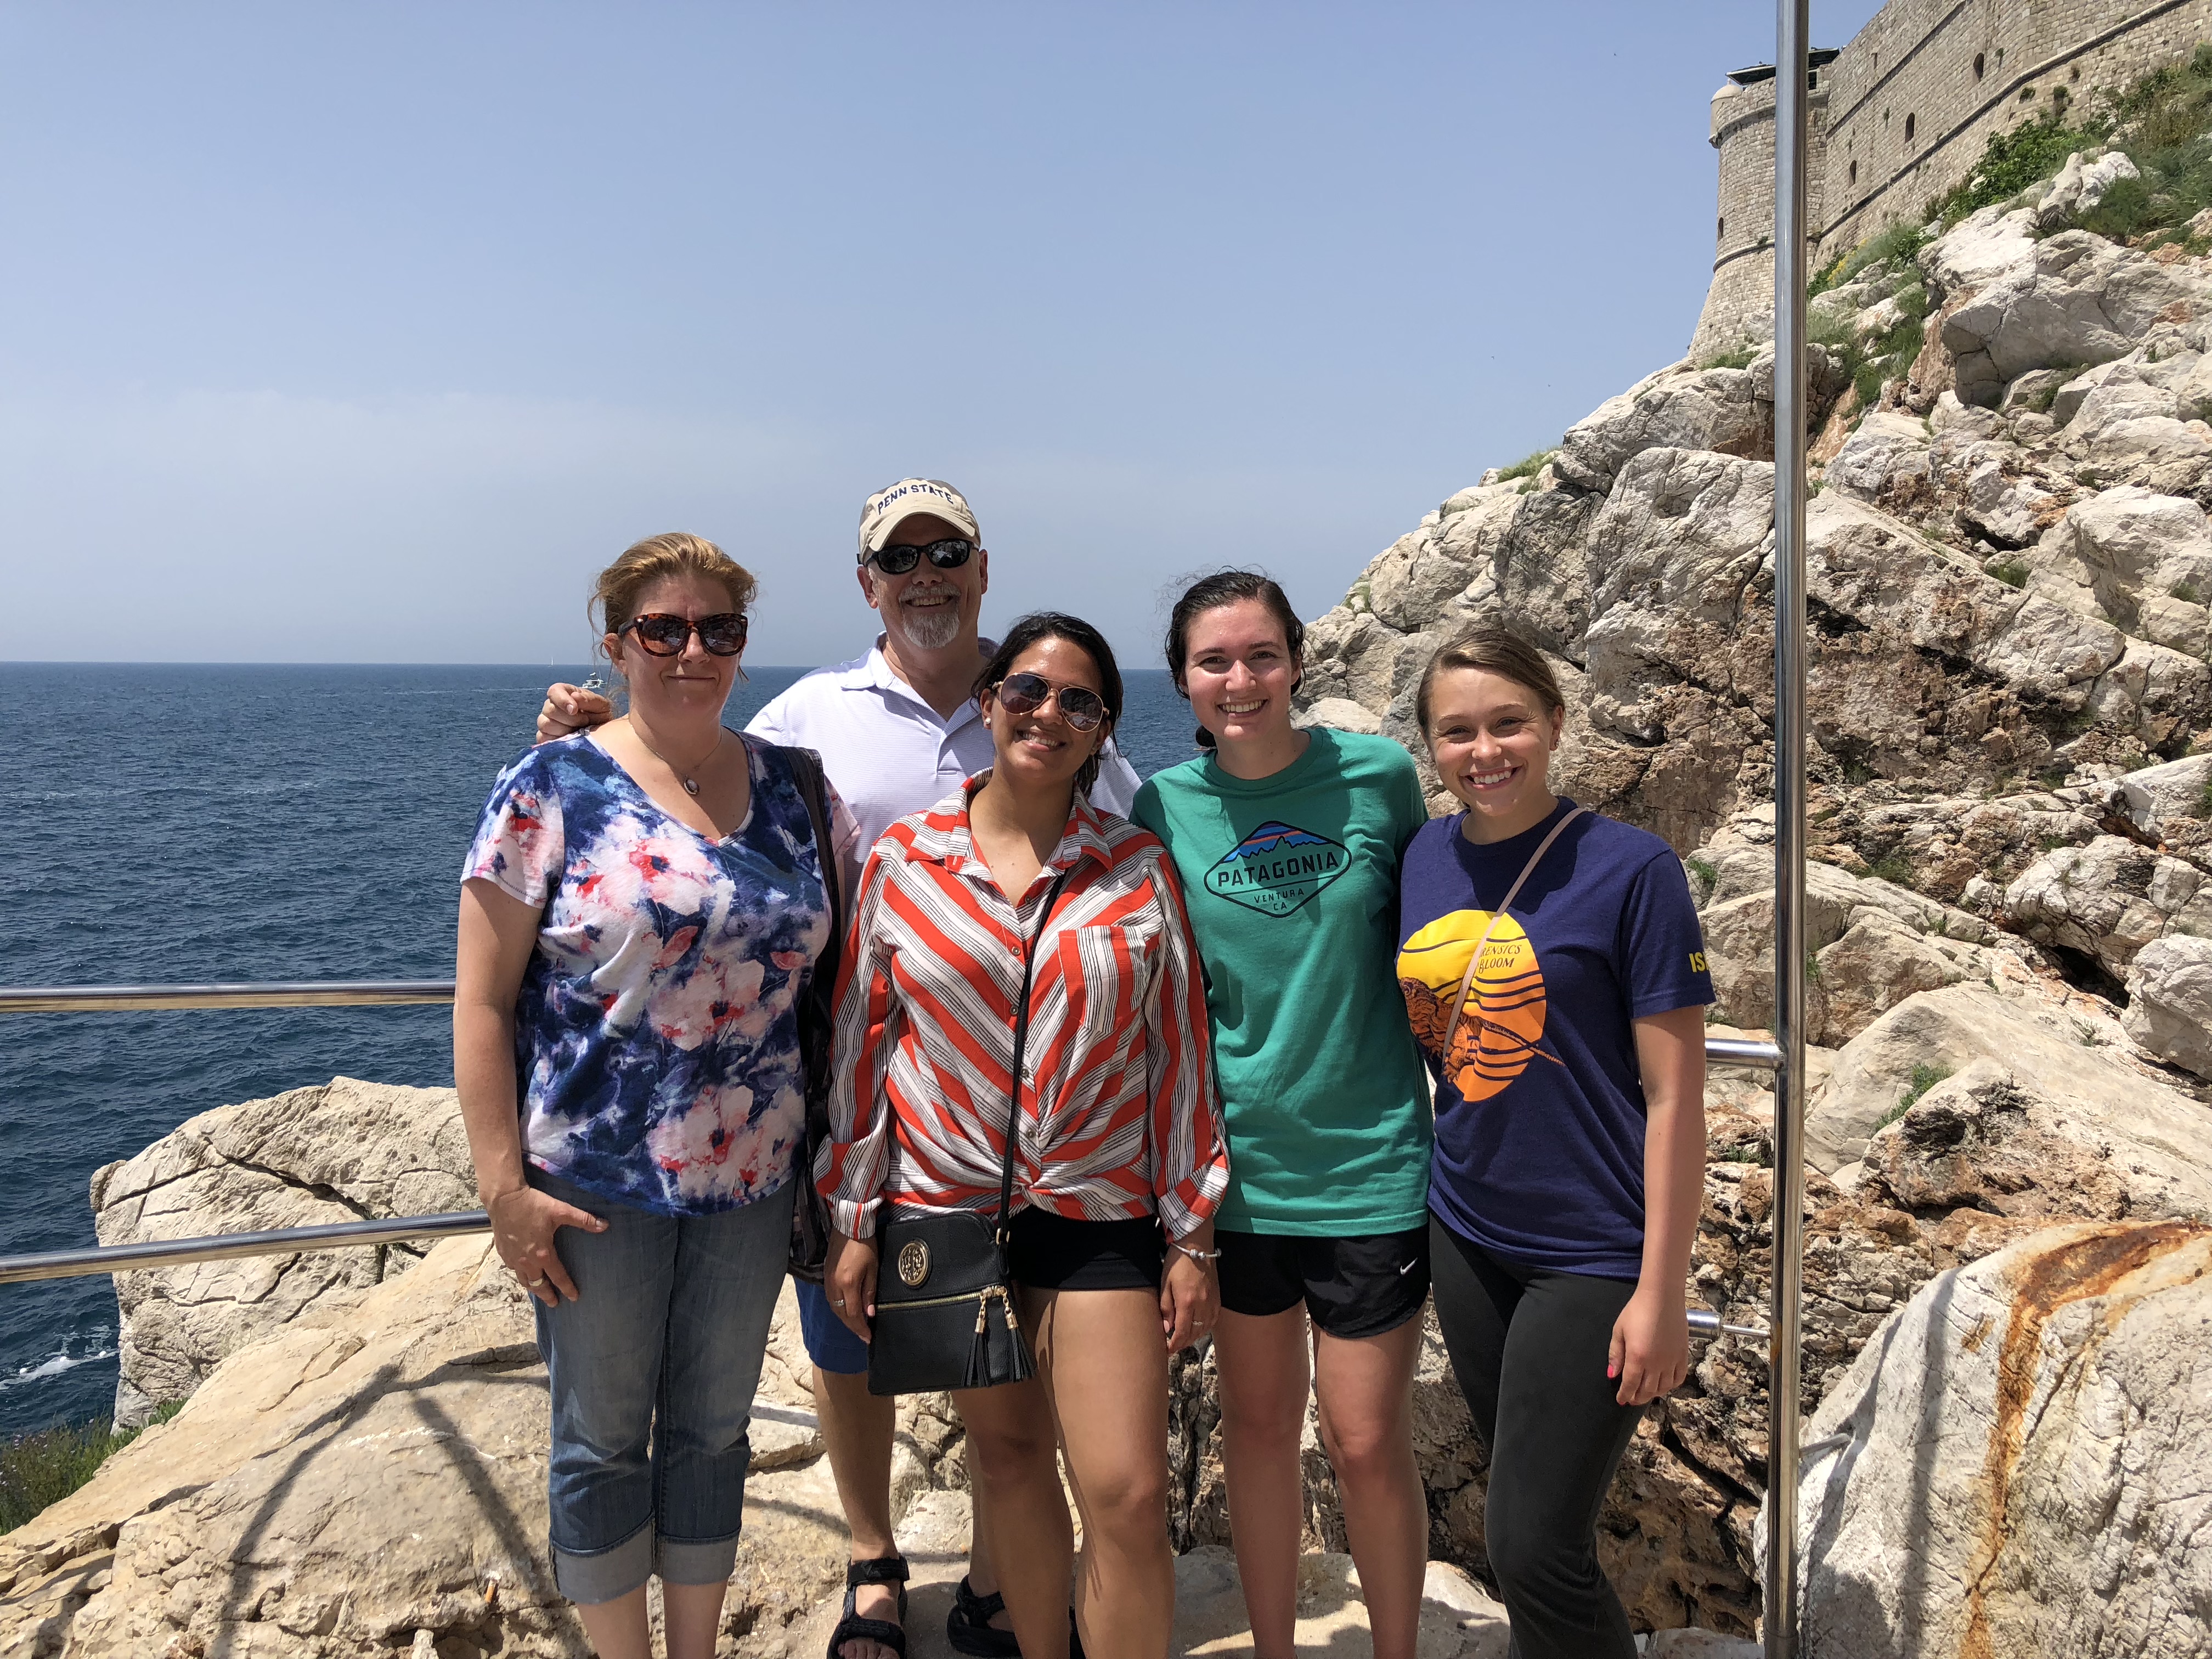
{"x":817,"y":1022}
{"x":937,"y":1276}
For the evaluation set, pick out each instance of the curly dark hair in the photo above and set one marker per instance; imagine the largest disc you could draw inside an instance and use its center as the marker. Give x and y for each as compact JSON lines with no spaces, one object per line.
{"x":1059,"y":625}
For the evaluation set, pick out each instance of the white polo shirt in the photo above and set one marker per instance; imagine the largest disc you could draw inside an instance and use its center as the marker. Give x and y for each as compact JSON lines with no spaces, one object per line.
{"x":888,"y":753}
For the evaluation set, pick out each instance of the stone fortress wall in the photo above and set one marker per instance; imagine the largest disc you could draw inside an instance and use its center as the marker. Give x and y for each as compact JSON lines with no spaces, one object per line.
{"x":1900,"y":116}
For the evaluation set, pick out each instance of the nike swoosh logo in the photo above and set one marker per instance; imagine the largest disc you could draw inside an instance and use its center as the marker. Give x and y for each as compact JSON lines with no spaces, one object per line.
{"x":1403,"y":1271}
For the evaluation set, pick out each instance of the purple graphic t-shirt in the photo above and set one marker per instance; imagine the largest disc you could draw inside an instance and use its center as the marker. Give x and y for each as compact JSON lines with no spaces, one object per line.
{"x":656,"y":1031}
{"x":1540,"y":1106}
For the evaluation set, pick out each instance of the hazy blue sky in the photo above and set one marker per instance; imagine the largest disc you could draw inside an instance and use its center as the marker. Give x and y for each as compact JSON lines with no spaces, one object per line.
{"x":368,"y":333}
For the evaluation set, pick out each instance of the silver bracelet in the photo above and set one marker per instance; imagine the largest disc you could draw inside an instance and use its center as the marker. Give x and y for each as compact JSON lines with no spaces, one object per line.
{"x":1200,"y":1256}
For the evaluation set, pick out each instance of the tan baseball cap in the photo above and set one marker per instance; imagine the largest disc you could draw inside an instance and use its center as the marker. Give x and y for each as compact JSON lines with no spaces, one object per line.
{"x":881,"y":512}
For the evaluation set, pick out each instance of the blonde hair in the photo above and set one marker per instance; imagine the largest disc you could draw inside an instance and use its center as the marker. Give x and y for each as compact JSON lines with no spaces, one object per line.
{"x":1497,"y":650}
{"x":678,"y":553}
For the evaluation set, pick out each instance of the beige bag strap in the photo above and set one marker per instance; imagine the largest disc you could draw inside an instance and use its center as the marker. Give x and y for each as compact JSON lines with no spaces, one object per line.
{"x":1467,"y":980}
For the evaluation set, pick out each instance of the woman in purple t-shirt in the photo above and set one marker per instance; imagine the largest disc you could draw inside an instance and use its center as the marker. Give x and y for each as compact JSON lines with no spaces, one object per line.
{"x":1552,"y":964}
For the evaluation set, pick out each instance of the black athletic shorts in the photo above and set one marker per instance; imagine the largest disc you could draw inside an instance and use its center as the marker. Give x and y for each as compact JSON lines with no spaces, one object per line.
{"x":1362,"y":1285}
{"x":1049,"y":1252}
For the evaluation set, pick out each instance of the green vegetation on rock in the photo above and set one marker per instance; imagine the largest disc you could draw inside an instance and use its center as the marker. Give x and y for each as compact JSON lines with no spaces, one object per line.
{"x":1924,"y":1078}
{"x":2163,"y":124}
{"x":1893,"y":867}
{"x":1526,"y":468}
{"x":2012,"y":161}
{"x":47,"y":1465}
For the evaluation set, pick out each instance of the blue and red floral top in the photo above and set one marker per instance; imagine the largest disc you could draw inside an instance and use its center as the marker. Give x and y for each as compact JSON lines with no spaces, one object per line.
{"x":656,"y":1031}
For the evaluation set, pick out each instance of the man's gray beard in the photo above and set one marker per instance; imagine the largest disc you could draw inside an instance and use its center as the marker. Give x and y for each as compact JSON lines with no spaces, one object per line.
{"x":932,"y":630}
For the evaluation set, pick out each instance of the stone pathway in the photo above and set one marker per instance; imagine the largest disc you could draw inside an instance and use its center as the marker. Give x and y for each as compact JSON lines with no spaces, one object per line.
{"x":1459,"y":1619}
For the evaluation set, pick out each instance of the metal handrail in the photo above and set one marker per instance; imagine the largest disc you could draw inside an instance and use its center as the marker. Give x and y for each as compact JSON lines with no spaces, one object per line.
{"x":1782,"y":1579}
{"x":357,"y":994}
{"x":1743,"y":1051}
{"x":227,"y":1247}
{"x":392,"y":993}
{"x":1704,"y":1323}
{"x":302,"y":994}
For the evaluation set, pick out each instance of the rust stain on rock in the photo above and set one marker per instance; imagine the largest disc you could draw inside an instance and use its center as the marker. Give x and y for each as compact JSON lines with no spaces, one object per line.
{"x":2086,"y":1266}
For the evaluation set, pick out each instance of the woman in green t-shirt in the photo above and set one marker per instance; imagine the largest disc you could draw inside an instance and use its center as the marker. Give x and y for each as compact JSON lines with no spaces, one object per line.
{"x":1288,"y":842}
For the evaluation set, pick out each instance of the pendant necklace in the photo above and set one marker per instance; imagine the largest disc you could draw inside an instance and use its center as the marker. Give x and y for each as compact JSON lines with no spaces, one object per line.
{"x":691,"y":784}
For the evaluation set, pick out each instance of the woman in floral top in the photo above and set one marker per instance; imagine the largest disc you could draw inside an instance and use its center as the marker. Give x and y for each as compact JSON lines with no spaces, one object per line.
{"x":640,"y":914}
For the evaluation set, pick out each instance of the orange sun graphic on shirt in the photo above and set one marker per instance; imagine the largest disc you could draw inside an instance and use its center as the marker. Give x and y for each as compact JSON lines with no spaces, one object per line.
{"x":1503,"y":1017}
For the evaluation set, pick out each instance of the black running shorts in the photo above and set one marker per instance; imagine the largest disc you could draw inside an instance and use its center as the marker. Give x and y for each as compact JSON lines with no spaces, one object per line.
{"x":1362,"y":1285}
{"x":1050,"y":1252}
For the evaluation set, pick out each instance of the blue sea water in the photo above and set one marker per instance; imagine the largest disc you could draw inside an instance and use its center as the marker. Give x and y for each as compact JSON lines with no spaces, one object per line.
{"x":175,"y":824}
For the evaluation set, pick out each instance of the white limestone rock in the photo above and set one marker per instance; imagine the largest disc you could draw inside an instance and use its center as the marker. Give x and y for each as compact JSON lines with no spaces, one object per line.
{"x":2134,"y":545}
{"x":1981,"y":246}
{"x":2075,"y":1056}
{"x":1996,"y":1140}
{"x":344,"y":1151}
{"x":2077,"y":299}
{"x":2006,"y":509}
{"x":1678,"y":408}
{"x":1888,"y":448}
{"x":2014,"y":1467}
{"x":2109,"y":900}
{"x":2080,"y":186}
{"x":1884,"y":576}
{"x":2169,"y":1012}
{"x":1340,"y":713}
{"x":2158,"y":797}
{"x":1874,"y":944}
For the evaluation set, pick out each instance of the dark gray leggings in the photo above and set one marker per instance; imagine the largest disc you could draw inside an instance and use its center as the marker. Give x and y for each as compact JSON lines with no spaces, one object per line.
{"x":1529,"y":1349}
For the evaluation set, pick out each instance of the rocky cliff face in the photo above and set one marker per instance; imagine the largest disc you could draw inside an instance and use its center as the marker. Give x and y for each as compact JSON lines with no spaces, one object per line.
{"x":2011,"y":804}
{"x":2009,"y":567}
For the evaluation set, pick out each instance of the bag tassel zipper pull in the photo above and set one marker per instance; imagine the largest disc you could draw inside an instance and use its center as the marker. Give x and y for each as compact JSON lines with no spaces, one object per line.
{"x":977,"y":1373}
{"x":1020,"y":1368}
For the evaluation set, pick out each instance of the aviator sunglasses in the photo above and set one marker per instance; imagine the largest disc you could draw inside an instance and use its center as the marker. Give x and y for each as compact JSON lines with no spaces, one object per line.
{"x":948,"y":555}
{"x":1024,"y":694}
{"x":663,"y":635}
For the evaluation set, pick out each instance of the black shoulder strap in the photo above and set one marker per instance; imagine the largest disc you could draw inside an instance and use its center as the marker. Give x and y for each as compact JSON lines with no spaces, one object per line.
{"x":818,"y":1010}
{"x":806,"y":774}
{"x":1021,"y":1047}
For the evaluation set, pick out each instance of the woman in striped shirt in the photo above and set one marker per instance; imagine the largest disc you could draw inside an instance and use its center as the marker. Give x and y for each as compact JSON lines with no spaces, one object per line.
{"x":1120,"y":1162}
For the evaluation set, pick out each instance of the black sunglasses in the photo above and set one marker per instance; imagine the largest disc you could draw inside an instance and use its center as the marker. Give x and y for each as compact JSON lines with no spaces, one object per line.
{"x":1024,"y":694}
{"x":948,"y":555}
{"x":723,"y":634}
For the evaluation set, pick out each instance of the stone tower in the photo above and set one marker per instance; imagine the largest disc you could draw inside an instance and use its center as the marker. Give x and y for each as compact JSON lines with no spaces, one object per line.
{"x":1740,"y":303}
{"x":1901,"y":116}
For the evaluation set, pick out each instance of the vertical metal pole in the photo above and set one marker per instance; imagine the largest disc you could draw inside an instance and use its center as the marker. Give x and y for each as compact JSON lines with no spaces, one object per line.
{"x":1790,"y":256}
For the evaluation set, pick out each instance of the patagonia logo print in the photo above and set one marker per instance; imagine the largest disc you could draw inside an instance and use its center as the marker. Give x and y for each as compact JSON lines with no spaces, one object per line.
{"x":1276,"y":868}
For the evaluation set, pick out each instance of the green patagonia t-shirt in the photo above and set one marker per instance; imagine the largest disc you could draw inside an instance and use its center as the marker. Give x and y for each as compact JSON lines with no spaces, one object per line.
{"x":1292,"y":885}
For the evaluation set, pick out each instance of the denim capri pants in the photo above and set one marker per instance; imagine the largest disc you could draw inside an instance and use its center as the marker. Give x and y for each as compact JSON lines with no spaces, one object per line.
{"x":651,"y":1371}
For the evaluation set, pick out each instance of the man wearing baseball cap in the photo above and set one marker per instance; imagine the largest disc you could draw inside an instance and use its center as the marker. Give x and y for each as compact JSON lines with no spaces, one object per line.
{"x":898,"y":730}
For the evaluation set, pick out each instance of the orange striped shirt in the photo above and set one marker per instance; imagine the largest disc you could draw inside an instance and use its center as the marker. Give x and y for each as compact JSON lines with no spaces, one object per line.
{"x":1118,"y":1116}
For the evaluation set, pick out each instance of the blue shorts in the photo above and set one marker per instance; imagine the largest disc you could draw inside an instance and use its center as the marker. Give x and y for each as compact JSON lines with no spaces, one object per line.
{"x":830,"y":1343}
